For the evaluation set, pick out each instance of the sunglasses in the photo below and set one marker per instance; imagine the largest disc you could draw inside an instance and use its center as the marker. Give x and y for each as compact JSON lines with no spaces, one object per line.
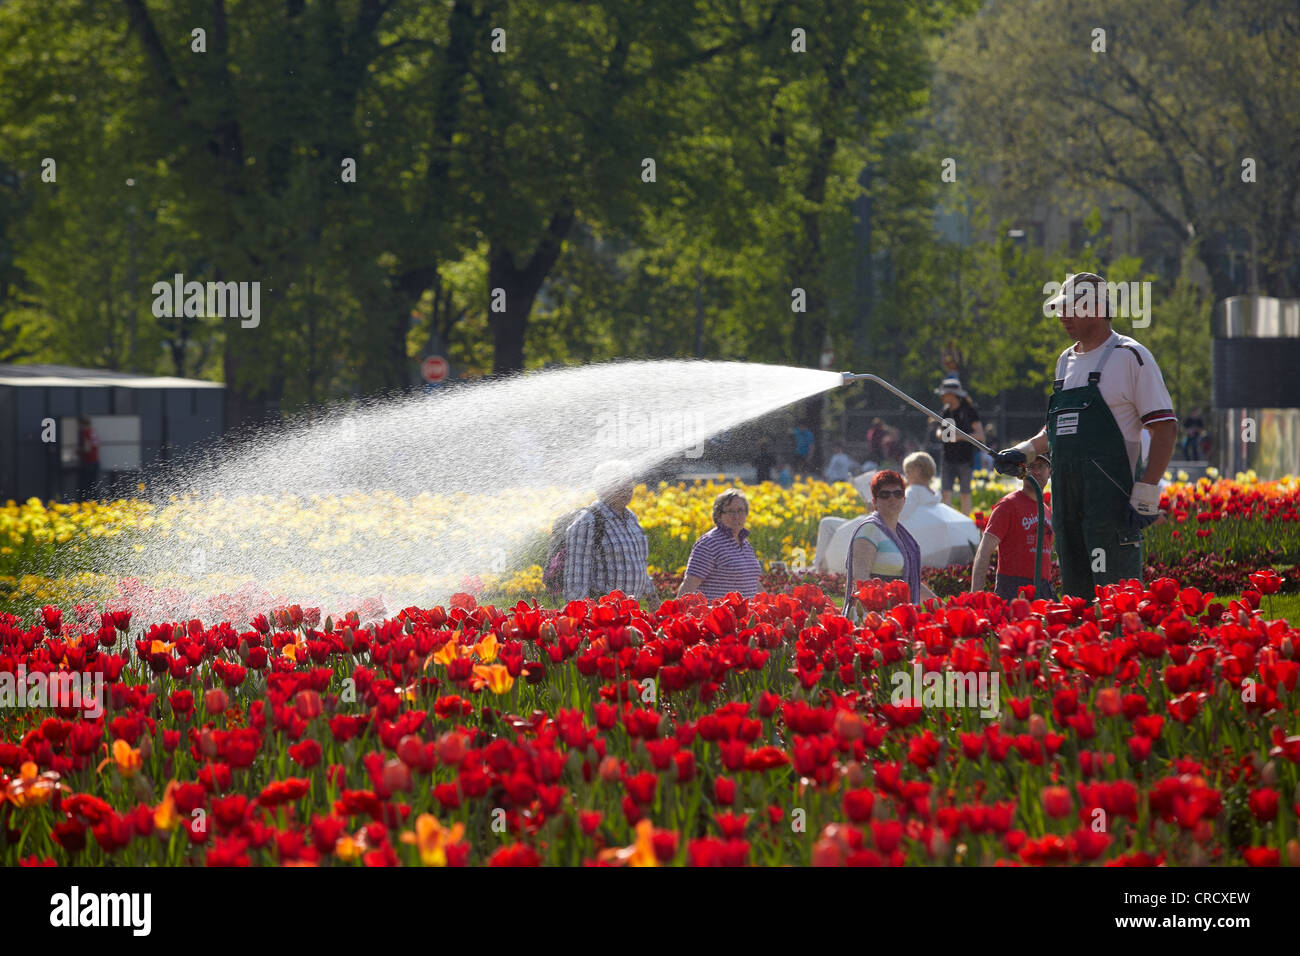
{"x":735,"y":511}
{"x":896,"y":493}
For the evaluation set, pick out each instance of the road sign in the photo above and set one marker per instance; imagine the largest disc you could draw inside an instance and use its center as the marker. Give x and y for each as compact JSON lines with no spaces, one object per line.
{"x":434,"y":369}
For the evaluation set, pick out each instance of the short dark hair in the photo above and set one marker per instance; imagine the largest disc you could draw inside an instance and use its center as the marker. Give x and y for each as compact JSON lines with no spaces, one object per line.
{"x":728,"y":496}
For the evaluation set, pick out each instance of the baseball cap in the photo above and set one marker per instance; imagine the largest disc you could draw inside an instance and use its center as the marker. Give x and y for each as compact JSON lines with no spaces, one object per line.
{"x":1078,"y":286}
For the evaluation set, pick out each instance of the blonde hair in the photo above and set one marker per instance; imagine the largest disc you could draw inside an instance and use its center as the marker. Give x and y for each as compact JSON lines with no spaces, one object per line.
{"x":922,"y":464}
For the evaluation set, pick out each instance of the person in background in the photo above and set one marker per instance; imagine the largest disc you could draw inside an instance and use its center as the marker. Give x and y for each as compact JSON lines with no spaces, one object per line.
{"x":841,"y":466}
{"x":764,"y":462}
{"x":785,"y":477}
{"x":803,"y":447}
{"x":620,"y":561}
{"x":723,"y":560}
{"x":876,"y":440}
{"x":87,"y":459}
{"x":881,"y":547}
{"x":1012,"y":532}
{"x":958,"y":453}
{"x":919,"y":469}
{"x":1194,"y":426}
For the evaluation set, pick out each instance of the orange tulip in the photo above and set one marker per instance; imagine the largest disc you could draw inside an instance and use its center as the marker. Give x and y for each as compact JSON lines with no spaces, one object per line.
{"x":640,"y":853}
{"x":165,"y":816}
{"x":487,"y":649}
{"x":348,"y":848}
{"x":126,"y":757}
{"x":449,"y":651}
{"x":31,"y":788}
{"x":495,"y":677}
{"x":433,"y":839}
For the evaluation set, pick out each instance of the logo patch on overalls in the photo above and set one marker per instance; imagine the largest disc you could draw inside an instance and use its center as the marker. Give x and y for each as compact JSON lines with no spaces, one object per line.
{"x":1067,"y":423}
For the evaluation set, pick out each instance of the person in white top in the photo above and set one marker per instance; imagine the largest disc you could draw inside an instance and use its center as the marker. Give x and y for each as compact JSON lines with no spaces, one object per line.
{"x":918,"y":469}
{"x":841,"y":466}
{"x":1107,"y":388}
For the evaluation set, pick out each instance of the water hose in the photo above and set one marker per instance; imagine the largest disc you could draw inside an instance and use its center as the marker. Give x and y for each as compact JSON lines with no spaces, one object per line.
{"x":1038,"y":489}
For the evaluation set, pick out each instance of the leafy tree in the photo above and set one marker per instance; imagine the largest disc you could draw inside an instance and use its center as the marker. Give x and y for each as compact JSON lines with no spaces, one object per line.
{"x":1184,"y":95}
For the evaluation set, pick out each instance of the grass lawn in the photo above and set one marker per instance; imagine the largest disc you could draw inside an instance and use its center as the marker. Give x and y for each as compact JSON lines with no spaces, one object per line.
{"x":1284,"y":605}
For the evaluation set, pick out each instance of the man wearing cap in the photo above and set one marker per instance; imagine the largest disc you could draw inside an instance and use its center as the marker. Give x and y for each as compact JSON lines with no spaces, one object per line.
{"x":1012,"y":532}
{"x":958,"y":454}
{"x":1107,"y":388}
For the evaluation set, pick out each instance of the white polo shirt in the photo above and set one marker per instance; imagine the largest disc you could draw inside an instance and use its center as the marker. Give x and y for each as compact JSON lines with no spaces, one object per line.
{"x":1131,"y":385}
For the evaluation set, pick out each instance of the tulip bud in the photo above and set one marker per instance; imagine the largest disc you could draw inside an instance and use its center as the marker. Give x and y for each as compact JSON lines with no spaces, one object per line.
{"x":1196,"y":856}
{"x":215,"y":700}
{"x":610,"y":771}
{"x":347,"y":637}
{"x":143,"y":788}
{"x":1293,"y":852}
{"x":146,"y":747}
{"x":397,"y":776}
{"x":1288,"y":649}
{"x":1268,"y":776}
{"x":207,"y":743}
{"x":854,"y":774}
{"x":848,"y":725}
{"x":939,"y":846}
{"x":827,"y":852}
{"x":1037,"y":726}
{"x":329,"y":624}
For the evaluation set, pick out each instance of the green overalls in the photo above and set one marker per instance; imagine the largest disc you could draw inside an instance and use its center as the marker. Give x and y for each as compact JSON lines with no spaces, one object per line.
{"x":1091,"y":486}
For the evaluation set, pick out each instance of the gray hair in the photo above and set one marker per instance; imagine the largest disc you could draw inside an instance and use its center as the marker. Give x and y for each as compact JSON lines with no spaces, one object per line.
{"x":728,"y":496}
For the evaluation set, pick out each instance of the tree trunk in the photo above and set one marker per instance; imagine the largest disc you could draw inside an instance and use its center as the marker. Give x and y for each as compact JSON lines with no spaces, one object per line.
{"x":520,"y":288}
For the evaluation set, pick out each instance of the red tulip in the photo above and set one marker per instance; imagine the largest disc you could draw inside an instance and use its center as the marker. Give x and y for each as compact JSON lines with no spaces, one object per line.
{"x":1057,"y":801}
{"x":1263,"y":804}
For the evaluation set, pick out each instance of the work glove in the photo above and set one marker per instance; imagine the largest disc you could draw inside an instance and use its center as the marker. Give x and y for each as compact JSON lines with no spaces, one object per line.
{"x":1145,"y":499}
{"x":1009,"y":461}
{"x":1143,"y":506}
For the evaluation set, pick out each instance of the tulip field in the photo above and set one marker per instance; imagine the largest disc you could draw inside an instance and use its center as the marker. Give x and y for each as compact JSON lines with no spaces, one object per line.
{"x":1156,"y":726}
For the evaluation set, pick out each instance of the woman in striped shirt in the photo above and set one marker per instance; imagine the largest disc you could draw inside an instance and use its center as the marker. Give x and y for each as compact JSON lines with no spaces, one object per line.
{"x":723,"y":560}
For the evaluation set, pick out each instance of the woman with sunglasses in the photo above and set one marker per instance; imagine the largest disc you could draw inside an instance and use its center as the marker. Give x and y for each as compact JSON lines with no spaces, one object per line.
{"x":881,"y":547}
{"x":723,"y":560}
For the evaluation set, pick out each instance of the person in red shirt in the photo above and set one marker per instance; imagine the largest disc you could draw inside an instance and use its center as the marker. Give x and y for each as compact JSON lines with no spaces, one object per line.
{"x":87,"y":458}
{"x":1012,"y":532}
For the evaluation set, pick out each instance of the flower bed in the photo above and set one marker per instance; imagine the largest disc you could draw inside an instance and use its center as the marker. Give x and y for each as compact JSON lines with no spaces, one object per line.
{"x":1152,"y":728}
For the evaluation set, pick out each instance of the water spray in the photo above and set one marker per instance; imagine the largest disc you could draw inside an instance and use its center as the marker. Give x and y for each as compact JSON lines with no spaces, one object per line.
{"x":948,"y":423}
